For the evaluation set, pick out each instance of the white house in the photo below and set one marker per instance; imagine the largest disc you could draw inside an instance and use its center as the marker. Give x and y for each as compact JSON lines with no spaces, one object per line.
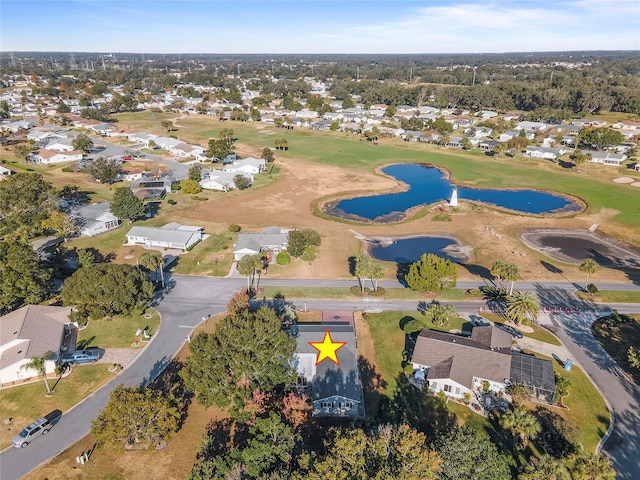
{"x":335,"y":389}
{"x":142,"y":137}
{"x":508,"y":135}
{"x":5,"y":172}
{"x":172,"y":235}
{"x":544,"y":152}
{"x":457,"y":365}
{"x":60,"y":144}
{"x":221,"y":181}
{"x":606,"y":158}
{"x":94,"y":219}
{"x":248,"y":165}
{"x":184,"y":150}
{"x":33,"y":331}
{"x":47,"y":157}
{"x":532,"y":126}
{"x":272,"y":239}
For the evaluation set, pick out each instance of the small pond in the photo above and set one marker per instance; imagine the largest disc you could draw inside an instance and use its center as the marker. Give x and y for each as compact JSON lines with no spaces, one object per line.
{"x":429,"y":185}
{"x":409,"y":250}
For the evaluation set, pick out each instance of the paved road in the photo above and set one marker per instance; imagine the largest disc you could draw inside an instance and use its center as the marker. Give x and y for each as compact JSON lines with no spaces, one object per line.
{"x":192,"y":298}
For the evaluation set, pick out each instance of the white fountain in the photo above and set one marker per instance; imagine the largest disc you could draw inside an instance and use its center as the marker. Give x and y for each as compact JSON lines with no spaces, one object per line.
{"x":454,"y":198}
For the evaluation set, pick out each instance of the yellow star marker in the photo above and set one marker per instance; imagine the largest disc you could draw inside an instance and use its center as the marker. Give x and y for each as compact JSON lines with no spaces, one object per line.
{"x":327,"y":348}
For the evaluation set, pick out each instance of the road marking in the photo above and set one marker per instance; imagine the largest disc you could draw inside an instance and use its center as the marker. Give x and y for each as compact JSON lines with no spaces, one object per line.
{"x":185,"y":326}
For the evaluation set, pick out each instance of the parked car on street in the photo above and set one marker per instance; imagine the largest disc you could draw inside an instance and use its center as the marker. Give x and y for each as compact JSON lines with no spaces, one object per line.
{"x":37,"y":428}
{"x":509,"y":329}
{"x":82,"y":356}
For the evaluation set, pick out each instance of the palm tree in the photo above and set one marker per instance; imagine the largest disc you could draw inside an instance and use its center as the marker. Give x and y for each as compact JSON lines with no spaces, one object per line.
{"x":377,"y":273}
{"x":440,"y":314}
{"x":444,"y":140}
{"x":363,"y":269}
{"x":511,"y":274}
{"x":522,"y":424}
{"x":591,"y":466}
{"x":590,"y":267}
{"x":248,"y":265}
{"x":522,"y":307}
{"x":563,"y":385}
{"x":497,"y":270}
{"x":39,"y":364}
{"x":544,"y":468}
{"x":153,"y":261}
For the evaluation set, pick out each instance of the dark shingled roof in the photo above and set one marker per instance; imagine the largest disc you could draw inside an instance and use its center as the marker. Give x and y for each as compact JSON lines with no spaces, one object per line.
{"x":459,"y":358}
{"x":331,"y":379}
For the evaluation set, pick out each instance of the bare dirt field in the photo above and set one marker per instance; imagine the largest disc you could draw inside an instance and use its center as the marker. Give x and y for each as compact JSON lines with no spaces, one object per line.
{"x":286,"y":203}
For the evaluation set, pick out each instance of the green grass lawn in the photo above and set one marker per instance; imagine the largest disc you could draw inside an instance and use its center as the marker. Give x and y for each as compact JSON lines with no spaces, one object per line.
{"x":26,"y":403}
{"x":586,"y":407}
{"x":347,"y":151}
{"x":611,"y":296}
{"x":118,"y":332}
{"x":210,"y":257}
{"x":457,"y":295}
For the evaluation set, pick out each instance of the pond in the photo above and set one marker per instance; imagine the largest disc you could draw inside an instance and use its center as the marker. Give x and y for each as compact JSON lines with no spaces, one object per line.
{"x":429,"y":185}
{"x":409,"y":250}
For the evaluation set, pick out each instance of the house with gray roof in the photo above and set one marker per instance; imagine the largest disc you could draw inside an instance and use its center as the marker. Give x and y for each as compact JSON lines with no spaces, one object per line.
{"x":271,"y":239}
{"x":606,"y":158}
{"x":457,"y":365}
{"x":94,"y":219}
{"x":172,"y":235}
{"x":335,"y":390}
{"x":32,"y":331}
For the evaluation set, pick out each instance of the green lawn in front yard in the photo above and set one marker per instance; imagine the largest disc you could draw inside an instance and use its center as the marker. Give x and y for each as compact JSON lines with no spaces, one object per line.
{"x":587,"y":409}
{"x":611,"y":296}
{"x":26,"y":403}
{"x":210,"y":257}
{"x":333,"y":293}
{"x":117,"y":332}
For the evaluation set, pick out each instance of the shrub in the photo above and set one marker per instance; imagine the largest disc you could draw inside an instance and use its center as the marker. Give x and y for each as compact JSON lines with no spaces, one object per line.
{"x":474,"y":292}
{"x":442,"y":217}
{"x":234,"y":228}
{"x":171,"y":201}
{"x":67,"y":170}
{"x":201,"y":199}
{"x":592,"y":289}
{"x":309,"y":254}
{"x":380,"y":292}
{"x":408,"y":369}
{"x":283,"y":258}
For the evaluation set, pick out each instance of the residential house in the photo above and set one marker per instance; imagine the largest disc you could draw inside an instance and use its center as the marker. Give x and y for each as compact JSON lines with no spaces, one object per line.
{"x":149,"y":188}
{"x":508,"y":135}
{"x":335,"y":389}
{"x":271,"y":239}
{"x":247,"y":165}
{"x":94,"y":219}
{"x":568,"y":129}
{"x":48,"y":157}
{"x":172,"y":235}
{"x":606,"y":158}
{"x":60,"y":144}
{"x":544,"y":152}
{"x":33,"y":331}
{"x":589,"y":122}
{"x":486,"y":114}
{"x":458,"y":365}
{"x":533,"y":127}
{"x":411,"y":135}
{"x":488,"y":145}
{"x":184,"y":150}
{"x":167,"y":143}
{"x":627,"y":125}
{"x":455,"y":142}
{"x":129,"y":175}
{"x":13,"y":127}
{"x":143,"y":138}
{"x":5,"y":172}
{"x":322,"y":124}
{"x":221,"y":181}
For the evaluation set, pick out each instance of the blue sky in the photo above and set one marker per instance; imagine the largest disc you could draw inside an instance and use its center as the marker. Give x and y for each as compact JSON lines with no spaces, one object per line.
{"x":320,"y":26}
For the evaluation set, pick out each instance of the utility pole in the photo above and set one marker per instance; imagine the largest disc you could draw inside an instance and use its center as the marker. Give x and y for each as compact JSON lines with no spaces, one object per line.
{"x":474,"y":76}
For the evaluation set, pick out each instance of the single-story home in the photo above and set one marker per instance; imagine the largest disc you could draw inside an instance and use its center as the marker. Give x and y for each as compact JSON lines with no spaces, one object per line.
{"x":47,"y":157}
{"x":33,"y":331}
{"x":272,"y":239}
{"x":531,"y":126}
{"x":148,"y":187}
{"x":222,"y":181}
{"x":61,"y":144}
{"x":458,"y":365}
{"x":508,"y":135}
{"x":589,"y":122}
{"x":142,"y":137}
{"x":94,"y":219}
{"x":5,"y":172}
{"x":606,"y":158}
{"x":544,"y":152}
{"x":335,"y":389}
{"x":171,"y":235}
{"x":248,"y":165}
